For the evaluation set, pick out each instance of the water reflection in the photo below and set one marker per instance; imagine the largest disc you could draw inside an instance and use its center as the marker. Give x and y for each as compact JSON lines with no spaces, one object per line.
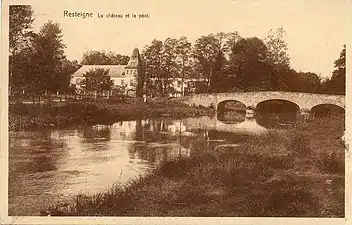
{"x":232,"y":116}
{"x":97,"y":132}
{"x":276,"y":120}
{"x":53,"y":165}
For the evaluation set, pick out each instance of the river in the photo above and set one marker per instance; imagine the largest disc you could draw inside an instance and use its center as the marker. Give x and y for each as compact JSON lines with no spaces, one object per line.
{"x":50,"y":166}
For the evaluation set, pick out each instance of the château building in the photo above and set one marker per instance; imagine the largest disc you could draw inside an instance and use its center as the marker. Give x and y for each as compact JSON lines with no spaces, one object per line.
{"x":122,"y":75}
{"x":125,"y":75}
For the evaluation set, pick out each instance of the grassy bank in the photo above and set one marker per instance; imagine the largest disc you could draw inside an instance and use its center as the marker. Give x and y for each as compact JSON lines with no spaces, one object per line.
{"x":298,"y":172}
{"x":22,"y":116}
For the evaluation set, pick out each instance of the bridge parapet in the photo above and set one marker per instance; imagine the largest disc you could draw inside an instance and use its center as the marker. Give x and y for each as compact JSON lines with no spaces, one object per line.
{"x":252,"y":99}
{"x":206,"y":100}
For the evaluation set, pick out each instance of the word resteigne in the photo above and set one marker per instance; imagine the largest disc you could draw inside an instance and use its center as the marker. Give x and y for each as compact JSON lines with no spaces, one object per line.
{"x":82,"y":15}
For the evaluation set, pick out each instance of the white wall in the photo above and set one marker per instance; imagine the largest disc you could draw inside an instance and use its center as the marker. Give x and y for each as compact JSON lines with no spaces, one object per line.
{"x":126,"y":80}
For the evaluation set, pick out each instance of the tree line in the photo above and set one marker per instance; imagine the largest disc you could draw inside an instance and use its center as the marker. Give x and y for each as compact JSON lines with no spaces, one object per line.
{"x":222,"y":62}
{"x":228,"y":62}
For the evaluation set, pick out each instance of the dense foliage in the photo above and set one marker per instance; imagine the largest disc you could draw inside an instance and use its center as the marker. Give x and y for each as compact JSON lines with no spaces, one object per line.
{"x":103,"y":58}
{"x":220,"y":62}
{"x":38,"y":65}
{"x":97,"y":81}
{"x":228,"y":62}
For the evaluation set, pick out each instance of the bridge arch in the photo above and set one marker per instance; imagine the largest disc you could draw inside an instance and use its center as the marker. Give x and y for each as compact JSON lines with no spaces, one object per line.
{"x":231,"y":111}
{"x":278,"y":104}
{"x":327,"y":109}
{"x":337,"y":106}
{"x":236,"y":105}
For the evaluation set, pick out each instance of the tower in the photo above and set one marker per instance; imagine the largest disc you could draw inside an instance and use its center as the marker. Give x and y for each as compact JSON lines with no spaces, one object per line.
{"x":133,"y":62}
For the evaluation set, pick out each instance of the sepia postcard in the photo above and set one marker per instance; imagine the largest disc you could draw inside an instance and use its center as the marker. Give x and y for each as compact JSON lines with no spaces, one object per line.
{"x":175,"y":112}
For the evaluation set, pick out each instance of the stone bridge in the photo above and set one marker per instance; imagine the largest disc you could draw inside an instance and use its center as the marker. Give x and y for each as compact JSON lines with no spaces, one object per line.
{"x":305,"y":101}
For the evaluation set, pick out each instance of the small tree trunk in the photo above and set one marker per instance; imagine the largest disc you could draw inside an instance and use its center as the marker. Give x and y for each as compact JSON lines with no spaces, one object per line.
{"x":183,"y":78}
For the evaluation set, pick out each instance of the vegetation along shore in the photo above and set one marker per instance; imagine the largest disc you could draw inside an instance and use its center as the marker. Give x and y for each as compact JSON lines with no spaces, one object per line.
{"x":294,"y":172}
{"x":65,"y":115}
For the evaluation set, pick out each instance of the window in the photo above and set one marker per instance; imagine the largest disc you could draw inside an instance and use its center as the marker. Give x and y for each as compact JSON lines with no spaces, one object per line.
{"x":128,"y":71}
{"x":131,"y":82}
{"x":122,"y":82}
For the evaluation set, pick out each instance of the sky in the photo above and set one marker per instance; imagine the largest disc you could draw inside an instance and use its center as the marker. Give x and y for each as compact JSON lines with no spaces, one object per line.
{"x":316,"y":29}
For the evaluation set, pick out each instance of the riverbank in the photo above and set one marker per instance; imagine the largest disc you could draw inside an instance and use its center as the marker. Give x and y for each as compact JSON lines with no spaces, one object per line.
{"x":298,"y":172}
{"x":65,"y":115}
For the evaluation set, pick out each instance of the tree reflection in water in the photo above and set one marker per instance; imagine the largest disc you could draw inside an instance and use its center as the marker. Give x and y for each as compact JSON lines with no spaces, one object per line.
{"x":97,"y":133}
{"x":277,"y":114}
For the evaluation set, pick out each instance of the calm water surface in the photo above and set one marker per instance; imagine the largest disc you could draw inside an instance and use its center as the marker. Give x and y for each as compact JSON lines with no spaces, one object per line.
{"x":49,"y":166}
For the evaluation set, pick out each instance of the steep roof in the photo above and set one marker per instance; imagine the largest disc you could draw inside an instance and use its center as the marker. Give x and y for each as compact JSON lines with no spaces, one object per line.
{"x":133,"y":62}
{"x":135,"y":53}
{"x":114,"y":70}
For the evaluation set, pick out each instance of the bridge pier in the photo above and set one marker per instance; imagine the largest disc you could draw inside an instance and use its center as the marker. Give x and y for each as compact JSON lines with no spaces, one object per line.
{"x":305,"y":115}
{"x":250,"y":111}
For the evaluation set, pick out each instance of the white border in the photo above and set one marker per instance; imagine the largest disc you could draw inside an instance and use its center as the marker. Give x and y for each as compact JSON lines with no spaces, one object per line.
{"x":4,"y":219}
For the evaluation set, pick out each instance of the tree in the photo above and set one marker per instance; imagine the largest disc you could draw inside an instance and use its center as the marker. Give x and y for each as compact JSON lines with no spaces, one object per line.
{"x":248,"y":66}
{"x":96,"y":81}
{"x":277,"y":55}
{"x":68,"y":68}
{"x":20,"y":33}
{"x":169,"y":63}
{"x":205,"y":51}
{"x":307,"y":82}
{"x":183,"y":48}
{"x":153,"y":72}
{"x":23,"y":78}
{"x":140,"y":77}
{"x":103,"y":58}
{"x":282,"y":77}
{"x":20,"y":27}
{"x":211,"y":52}
{"x":119,"y":92}
{"x":338,"y":79}
{"x":117,"y":59}
{"x":47,"y":60}
{"x":325,"y":86}
{"x":226,"y":41}
{"x":218,"y":79}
